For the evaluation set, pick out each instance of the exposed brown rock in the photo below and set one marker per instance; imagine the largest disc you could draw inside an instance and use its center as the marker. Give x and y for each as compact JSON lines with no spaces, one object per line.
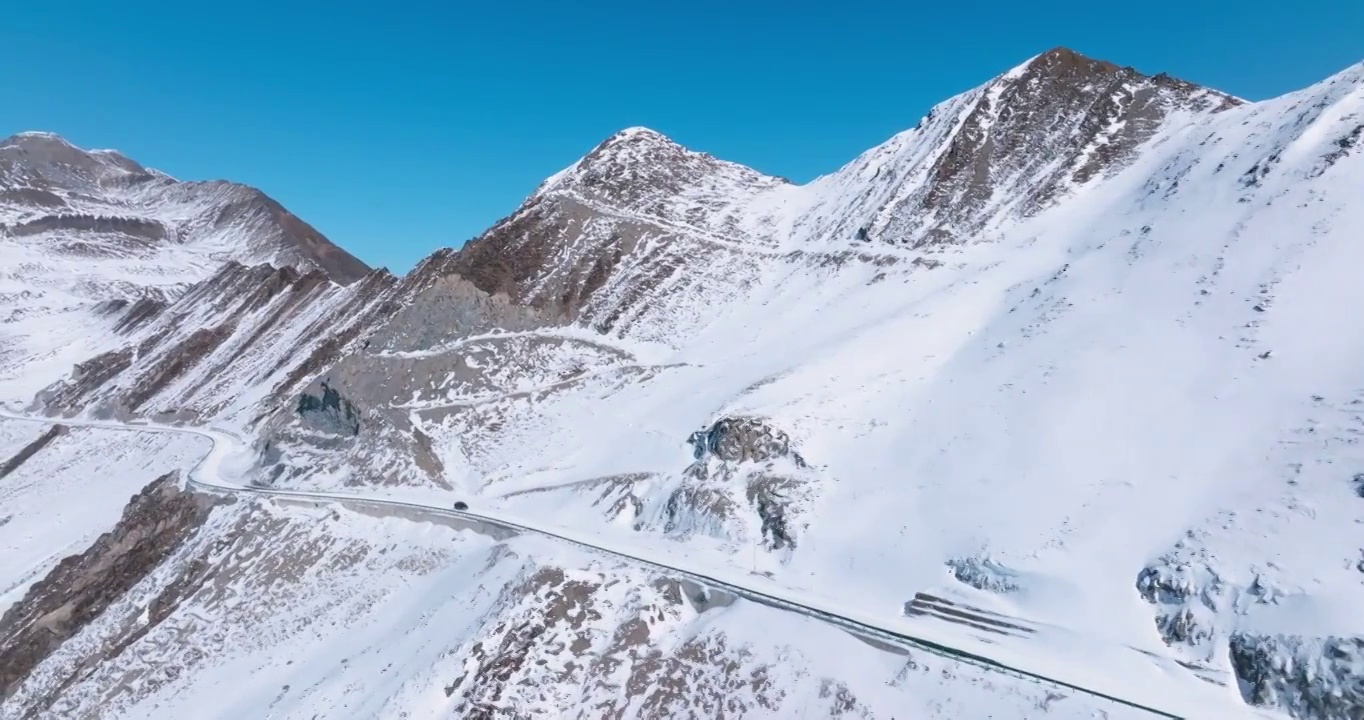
{"x":139,"y":314}
{"x":1089,"y":114}
{"x":132,"y":227}
{"x":190,"y":352}
{"x":554,"y":616}
{"x":155,"y":522}
{"x":85,"y":379}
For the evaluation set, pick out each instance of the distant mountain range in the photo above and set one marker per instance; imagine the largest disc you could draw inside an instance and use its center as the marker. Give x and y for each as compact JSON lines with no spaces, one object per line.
{"x":1068,"y":372}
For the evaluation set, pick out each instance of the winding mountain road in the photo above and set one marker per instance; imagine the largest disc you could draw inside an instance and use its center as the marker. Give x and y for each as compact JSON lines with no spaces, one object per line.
{"x":206,"y":476}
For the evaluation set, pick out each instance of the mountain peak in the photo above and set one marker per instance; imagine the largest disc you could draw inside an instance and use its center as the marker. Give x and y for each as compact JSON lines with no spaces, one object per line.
{"x":1065,"y":65}
{"x":42,"y":159}
{"x":34,"y":136}
{"x":1062,"y":66}
{"x":631,"y":156}
{"x":642,"y":133}
{"x":1060,"y":55}
{"x":636,"y":141}
{"x":41,"y":143}
{"x":71,"y":182}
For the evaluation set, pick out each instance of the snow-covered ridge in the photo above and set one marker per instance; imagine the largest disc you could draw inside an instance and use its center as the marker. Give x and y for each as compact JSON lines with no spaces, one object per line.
{"x":997,"y":154}
{"x":85,"y":233}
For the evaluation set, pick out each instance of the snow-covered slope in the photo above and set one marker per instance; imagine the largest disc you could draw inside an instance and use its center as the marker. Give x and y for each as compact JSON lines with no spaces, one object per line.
{"x":226,"y":348}
{"x":83,"y":235}
{"x":617,"y":237}
{"x":309,"y":612}
{"x":1074,"y":352}
{"x":39,"y":523}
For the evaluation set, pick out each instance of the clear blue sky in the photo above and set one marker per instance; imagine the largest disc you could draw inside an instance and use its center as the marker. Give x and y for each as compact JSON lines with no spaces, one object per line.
{"x":398,"y":128}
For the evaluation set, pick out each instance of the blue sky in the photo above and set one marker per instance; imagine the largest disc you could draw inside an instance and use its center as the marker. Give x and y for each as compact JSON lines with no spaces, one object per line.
{"x":396,"y":129}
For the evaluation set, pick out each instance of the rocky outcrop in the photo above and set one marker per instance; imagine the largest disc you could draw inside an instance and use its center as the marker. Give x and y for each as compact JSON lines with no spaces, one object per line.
{"x":131,"y":227}
{"x":1321,"y":679}
{"x":31,"y":449}
{"x":630,"y":670}
{"x":85,"y":379}
{"x":743,"y":439}
{"x":1311,"y":678}
{"x":329,"y":413}
{"x":740,"y":464}
{"x":155,"y":522}
{"x":984,"y":573}
{"x":1187,"y":601}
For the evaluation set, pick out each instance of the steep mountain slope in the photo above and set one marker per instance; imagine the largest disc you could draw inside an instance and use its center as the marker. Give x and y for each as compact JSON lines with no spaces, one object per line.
{"x":1071,"y":355}
{"x":640,"y":220}
{"x":85,"y":235}
{"x":40,"y":524}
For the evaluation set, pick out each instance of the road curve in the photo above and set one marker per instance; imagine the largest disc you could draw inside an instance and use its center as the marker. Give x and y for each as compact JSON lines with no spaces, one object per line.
{"x":205,"y":476}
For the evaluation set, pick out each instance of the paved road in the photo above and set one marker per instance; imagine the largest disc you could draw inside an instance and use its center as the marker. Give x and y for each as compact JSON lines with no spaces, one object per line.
{"x":206,"y":476}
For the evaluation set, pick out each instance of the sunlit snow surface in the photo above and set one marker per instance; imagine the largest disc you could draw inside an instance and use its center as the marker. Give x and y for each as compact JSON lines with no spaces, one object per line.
{"x":72,"y":490}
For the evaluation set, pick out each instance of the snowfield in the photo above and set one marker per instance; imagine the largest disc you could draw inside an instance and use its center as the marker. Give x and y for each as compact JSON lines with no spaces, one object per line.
{"x":72,"y":490}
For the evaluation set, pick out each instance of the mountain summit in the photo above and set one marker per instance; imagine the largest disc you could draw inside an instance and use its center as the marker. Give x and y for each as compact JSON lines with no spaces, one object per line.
{"x":87,"y":232}
{"x":44,"y":179}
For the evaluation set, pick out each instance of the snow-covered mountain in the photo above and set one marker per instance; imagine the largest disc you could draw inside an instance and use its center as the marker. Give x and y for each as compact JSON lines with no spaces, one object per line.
{"x":1064,"y":375}
{"x":88,"y":235}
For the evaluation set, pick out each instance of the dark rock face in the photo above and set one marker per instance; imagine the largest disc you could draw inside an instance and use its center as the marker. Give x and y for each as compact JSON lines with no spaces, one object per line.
{"x":770,"y":498}
{"x":983,"y":574}
{"x":140,"y":313}
{"x":330,"y":413}
{"x":1318,"y":679}
{"x":1061,"y":120}
{"x":155,"y":522}
{"x":143,"y":229}
{"x":1186,"y":603}
{"x":742,"y":439}
{"x":523,"y":257}
{"x":738,"y":462}
{"x":31,"y":449}
{"x":86,"y":377}
{"x":193,"y":350}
